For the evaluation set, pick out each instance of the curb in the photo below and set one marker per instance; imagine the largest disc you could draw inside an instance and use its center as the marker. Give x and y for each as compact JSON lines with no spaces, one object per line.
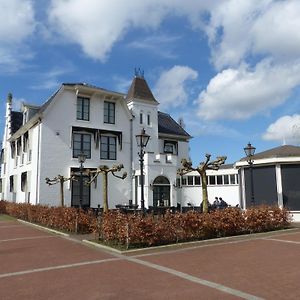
{"x":44,"y":228}
{"x":188,"y":244}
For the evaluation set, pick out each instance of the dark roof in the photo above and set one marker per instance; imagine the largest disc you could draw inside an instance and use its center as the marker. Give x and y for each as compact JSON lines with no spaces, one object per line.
{"x":167,"y":125}
{"x":16,"y":121}
{"x":139,"y":89}
{"x":278,"y":152}
{"x":89,"y":86}
{"x":227,"y":166}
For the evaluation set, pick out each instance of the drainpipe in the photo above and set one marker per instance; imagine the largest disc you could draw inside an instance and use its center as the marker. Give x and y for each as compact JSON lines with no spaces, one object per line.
{"x":38,"y":163}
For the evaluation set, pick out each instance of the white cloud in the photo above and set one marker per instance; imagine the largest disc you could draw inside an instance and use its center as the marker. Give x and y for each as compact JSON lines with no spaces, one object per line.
{"x":17,"y":23}
{"x":243,"y":92}
{"x":161,"y":45}
{"x":52,"y":78}
{"x":97,"y":25}
{"x":240,"y":28}
{"x":286,"y":129}
{"x":170,"y":89}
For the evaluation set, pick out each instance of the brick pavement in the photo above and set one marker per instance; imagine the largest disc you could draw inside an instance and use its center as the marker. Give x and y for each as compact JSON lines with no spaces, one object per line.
{"x":35,"y":264}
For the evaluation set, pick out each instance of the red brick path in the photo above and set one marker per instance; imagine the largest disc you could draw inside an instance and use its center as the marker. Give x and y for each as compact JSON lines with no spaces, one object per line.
{"x":35,"y":264}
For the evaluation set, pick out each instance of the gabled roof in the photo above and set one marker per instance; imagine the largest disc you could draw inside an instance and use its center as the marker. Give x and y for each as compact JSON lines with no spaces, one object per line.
{"x":139,"y":89}
{"x":167,"y":125}
{"x":278,"y":152}
{"x":16,"y":121}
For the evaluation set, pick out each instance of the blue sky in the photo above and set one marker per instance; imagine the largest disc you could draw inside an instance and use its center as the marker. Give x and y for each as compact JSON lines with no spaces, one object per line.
{"x":230,"y":69}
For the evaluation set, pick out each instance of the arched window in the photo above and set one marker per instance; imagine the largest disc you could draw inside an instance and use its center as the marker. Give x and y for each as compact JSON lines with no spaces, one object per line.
{"x":161,"y":180}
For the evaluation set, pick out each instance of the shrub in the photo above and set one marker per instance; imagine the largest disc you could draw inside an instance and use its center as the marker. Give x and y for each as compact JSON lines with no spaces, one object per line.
{"x":67,"y":219}
{"x":132,"y":230}
{"x":2,"y":207}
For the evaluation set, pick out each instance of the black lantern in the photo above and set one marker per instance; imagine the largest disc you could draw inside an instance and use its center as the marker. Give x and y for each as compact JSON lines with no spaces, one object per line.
{"x":249,"y":151}
{"x":142,"y":140}
{"x":81,"y":160}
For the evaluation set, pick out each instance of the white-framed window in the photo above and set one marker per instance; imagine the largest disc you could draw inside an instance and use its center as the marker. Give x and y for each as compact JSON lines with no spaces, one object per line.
{"x":212,"y":180}
{"x":141,"y":118}
{"x":190,"y":180}
{"x":170,"y":147}
{"x":81,"y":144}
{"x":226,"y":179}
{"x":83,"y":108}
{"x":197,"y":180}
{"x":148,"y":119}
{"x":109,"y":112}
{"x":108,"y":147}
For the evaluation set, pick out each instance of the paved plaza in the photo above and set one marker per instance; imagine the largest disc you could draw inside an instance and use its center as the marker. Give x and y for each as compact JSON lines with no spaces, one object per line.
{"x":36,"y":264}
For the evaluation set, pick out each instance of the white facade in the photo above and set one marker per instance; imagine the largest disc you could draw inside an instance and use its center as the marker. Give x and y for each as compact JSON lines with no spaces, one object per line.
{"x":44,"y":146}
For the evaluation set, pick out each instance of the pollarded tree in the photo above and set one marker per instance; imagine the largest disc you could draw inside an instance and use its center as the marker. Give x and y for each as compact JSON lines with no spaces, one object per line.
{"x":201,"y":169}
{"x":104,"y":170}
{"x":61,"y":180}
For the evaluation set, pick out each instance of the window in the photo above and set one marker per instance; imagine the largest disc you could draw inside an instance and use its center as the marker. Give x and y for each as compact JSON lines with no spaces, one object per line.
{"x":83,"y":109}
{"x":212,"y":180}
{"x":1,"y":185}
{"x":232,"y":179}
{"x":170,"y":147}
{"x":11,"y":183}
{"x":82,"y":143}
{"x":140,"y":179}
{"x":109,"y":112}
{"x":148,"y":120}
{"x":226,"y":179}
{"x":190,"y":180}
{"x":29,"y":155}
{"x":197,"y":180}
{"x":183,"y":181}
{"x":219,"y":179}
{"x":23,"y":181}
{"x":108,"y":149}
{"x":141,"y":118}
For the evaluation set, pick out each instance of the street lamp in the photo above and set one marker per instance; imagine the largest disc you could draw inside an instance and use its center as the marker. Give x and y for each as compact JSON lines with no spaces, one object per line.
{"x":142,"y":140}
{"x":249,"y":151}
{"x":81,"y":160}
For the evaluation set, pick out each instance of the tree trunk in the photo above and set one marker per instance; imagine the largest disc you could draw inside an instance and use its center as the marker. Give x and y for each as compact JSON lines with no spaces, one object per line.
{"x":62,"y":192}
{"x":105,"y":197}
{"x":204,"y":192}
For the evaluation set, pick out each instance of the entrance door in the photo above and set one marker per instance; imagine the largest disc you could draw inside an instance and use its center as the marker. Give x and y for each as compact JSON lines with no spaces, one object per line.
{"x":161,"y":191}
{"x":75,"y":197}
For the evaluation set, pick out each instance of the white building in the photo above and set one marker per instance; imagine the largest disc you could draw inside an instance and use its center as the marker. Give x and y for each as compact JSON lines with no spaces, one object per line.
{"x":45,"y":141}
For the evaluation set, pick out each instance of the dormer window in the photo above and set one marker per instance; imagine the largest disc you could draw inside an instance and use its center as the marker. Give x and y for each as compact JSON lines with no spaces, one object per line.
{"x":83,"y":108}
{"x":109,"y":112}
{"x":170,"y":147}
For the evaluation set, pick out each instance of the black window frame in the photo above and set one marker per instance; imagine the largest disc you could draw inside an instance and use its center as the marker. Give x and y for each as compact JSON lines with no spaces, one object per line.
{"x":106,"y":151}
{"x":109,"y":112}
{"x":83,"y":108}
{"x":82,"y":148}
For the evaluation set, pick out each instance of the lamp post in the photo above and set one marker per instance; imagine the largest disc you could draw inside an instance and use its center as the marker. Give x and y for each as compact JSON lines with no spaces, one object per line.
{"x":142,"y":140}
{"x":81,"y":160}
{"x":249,"y":151}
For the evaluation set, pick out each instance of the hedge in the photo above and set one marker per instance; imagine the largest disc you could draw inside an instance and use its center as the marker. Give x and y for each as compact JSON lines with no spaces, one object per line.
{"x":137,"y":230}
